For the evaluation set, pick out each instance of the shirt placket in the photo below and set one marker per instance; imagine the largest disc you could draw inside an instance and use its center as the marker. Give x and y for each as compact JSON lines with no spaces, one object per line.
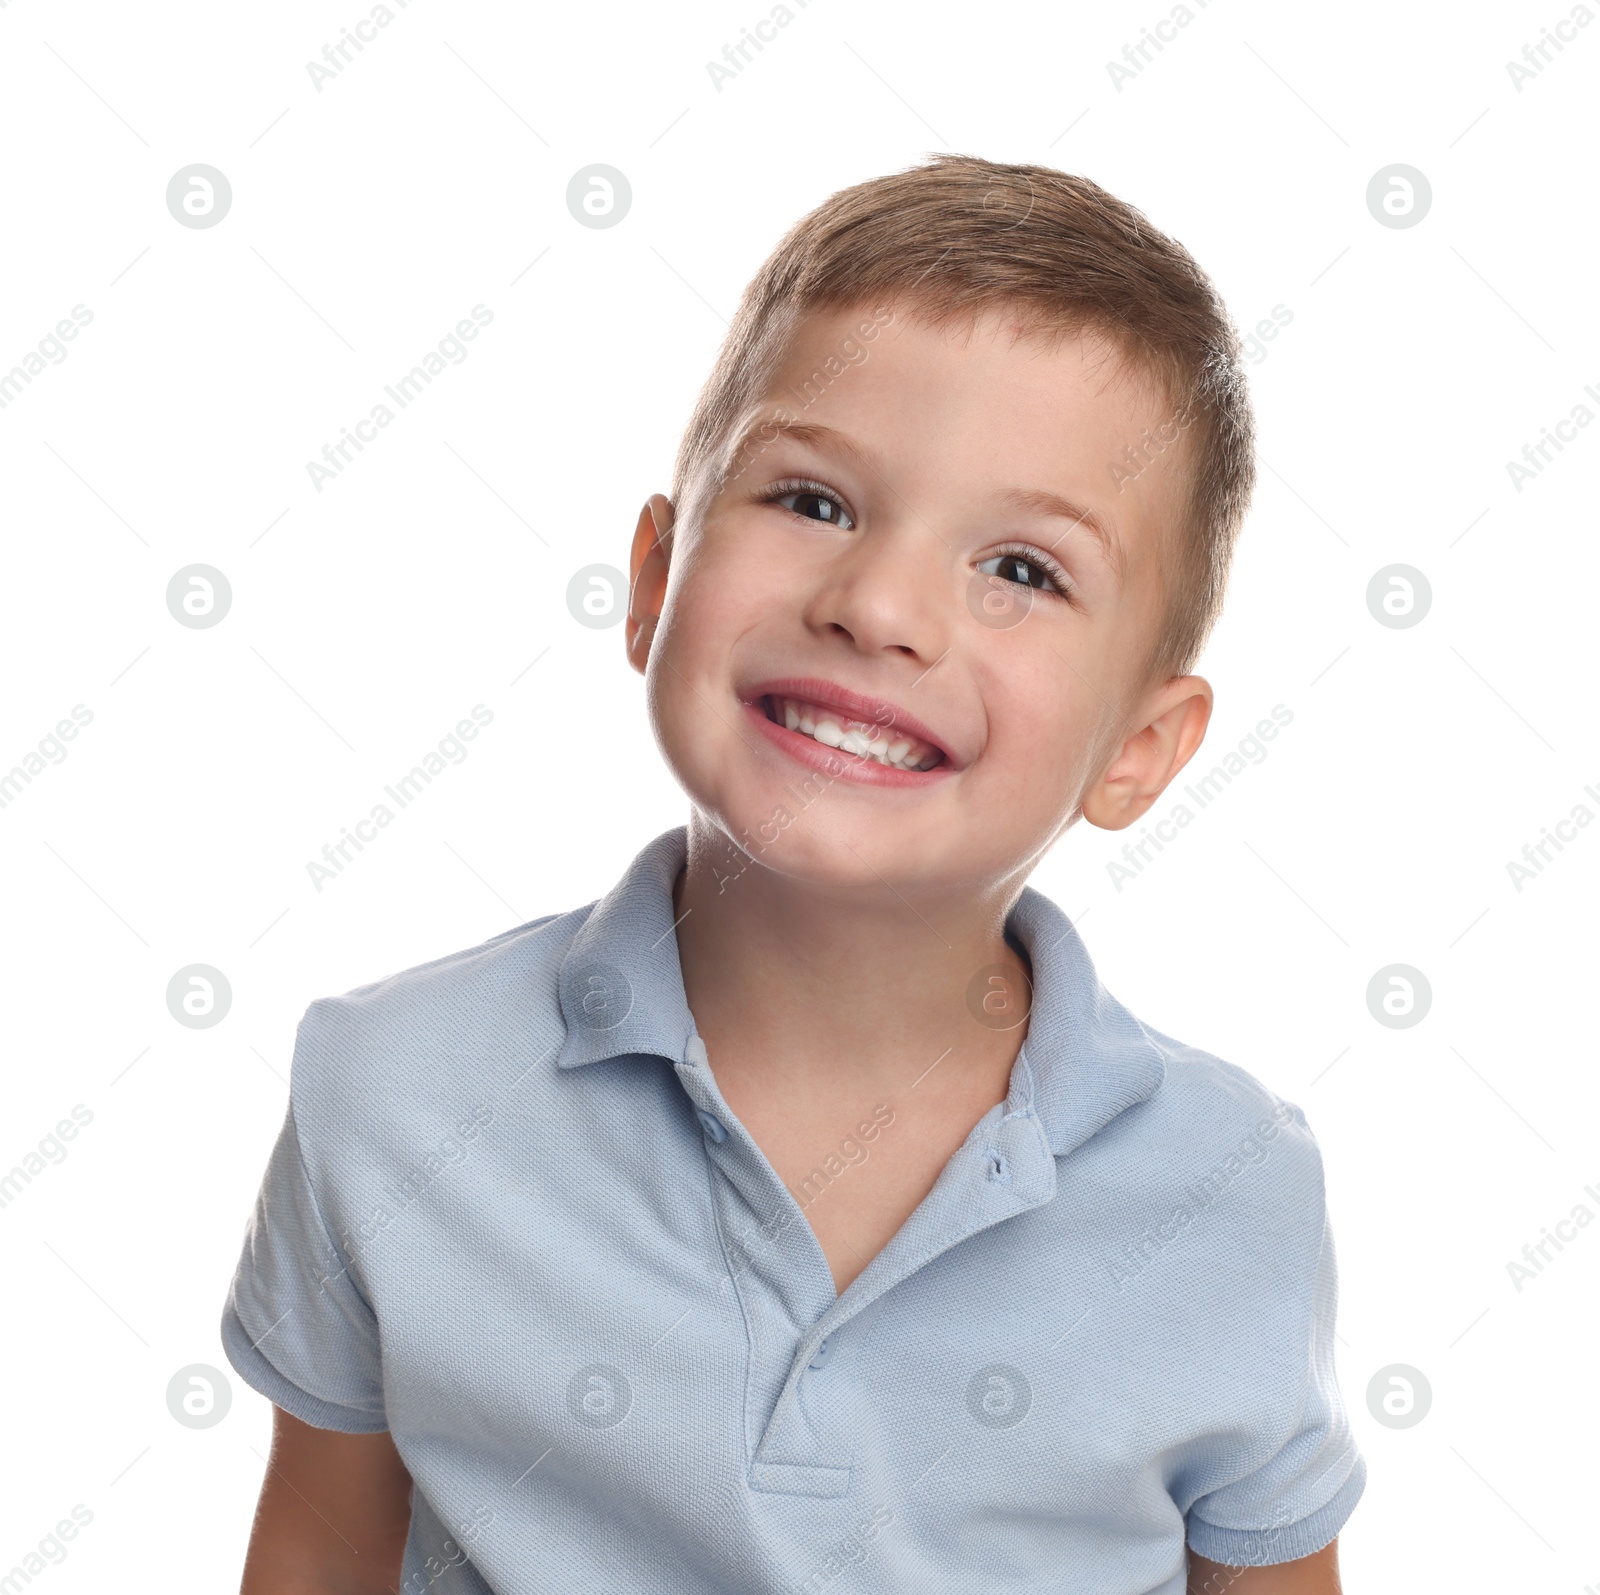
{"x":801,"y":1418}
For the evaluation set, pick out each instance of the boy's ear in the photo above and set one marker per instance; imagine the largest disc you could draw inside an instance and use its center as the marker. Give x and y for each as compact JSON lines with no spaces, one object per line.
{"x":647,"y":577}
{"x":1176,"y":717}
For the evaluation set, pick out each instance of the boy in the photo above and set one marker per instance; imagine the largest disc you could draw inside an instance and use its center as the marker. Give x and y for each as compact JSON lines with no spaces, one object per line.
{"x":804,"y":1214}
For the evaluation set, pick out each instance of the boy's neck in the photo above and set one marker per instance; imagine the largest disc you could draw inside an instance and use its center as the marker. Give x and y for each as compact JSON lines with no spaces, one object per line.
{"x":863,"y":990}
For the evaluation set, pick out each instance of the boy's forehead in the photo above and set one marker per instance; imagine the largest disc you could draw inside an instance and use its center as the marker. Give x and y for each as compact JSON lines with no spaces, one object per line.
{"x":963,"y":336}
{"x":989,"y":400}
{"x":991,"y":376}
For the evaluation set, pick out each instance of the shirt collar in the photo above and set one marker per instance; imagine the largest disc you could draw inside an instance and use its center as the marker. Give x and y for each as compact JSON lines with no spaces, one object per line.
{"x":621,"y":983}
{"x":1086,"y":1056}
{"x":1085,"y":1059}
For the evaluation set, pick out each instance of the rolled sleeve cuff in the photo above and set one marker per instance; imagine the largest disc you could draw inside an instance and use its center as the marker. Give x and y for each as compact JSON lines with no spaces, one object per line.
{"x":252,"y":1365}
{"x":1269,"y":1546}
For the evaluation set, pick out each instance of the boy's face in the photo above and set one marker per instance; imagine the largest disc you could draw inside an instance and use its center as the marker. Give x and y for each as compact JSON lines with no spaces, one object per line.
{"x":916,"y":535}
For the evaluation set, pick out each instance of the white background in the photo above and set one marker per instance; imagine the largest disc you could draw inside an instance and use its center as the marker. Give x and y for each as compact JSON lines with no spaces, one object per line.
{"x":430,"y":176}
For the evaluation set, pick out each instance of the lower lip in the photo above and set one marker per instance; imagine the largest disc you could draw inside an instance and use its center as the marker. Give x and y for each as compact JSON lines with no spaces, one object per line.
{"x":841,"y":766}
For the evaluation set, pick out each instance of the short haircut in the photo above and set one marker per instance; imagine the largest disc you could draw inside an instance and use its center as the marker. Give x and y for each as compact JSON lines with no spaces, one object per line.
{"x":958,"y":236}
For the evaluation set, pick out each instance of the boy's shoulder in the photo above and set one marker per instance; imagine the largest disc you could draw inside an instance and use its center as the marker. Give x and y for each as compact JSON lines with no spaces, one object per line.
{"x":431,"y":1028}
{"x":1141,"y":1105}
{"x":1216,"y":1119}
{"x":1205,"y":1090}
{"x":454,"y":974}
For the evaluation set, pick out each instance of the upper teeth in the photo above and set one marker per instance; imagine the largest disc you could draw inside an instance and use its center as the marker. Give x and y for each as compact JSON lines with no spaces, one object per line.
{"x":835,"y":730}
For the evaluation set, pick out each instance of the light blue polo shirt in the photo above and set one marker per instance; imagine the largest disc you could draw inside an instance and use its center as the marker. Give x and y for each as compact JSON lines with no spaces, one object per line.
{"x":511,"y":1219}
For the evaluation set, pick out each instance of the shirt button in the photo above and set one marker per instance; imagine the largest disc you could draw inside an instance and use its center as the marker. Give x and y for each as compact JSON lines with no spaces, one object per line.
{"x":819,"y":1358}
{"x":712,"y":1125}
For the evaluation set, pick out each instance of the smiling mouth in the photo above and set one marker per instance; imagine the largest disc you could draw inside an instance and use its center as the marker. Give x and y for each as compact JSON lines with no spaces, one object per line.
{"x":882,"y":744}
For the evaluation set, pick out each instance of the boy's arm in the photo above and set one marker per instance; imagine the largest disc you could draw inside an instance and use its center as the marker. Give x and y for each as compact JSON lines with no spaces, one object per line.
{"x":333,"y":1517}
{"x":1317,"y":1574}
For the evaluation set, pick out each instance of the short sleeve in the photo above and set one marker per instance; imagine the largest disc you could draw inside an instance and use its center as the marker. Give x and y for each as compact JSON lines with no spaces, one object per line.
{"x":296,"y":1325}
{"x":1298,"y":1499}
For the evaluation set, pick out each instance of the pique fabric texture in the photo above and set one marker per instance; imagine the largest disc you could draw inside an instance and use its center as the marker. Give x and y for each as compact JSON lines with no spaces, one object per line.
{"x":511,"y":1219}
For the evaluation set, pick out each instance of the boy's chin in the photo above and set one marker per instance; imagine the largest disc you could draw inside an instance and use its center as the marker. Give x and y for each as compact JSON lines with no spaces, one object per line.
{"x":832,"y":848}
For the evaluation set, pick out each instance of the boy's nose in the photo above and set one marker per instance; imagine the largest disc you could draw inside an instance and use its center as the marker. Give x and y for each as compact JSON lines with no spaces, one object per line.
{"x":889,"y":592}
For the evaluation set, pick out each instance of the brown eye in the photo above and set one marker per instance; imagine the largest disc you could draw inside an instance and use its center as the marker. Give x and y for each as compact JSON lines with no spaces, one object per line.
{"x":813,"y":504}
{"x":1022,"y":569}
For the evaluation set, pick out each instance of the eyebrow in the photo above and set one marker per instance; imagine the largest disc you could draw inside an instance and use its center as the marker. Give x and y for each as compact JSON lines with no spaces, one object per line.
{"x":1040,"y":502}
{"x":802,"y":432}
{"x":1032,"y":500}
